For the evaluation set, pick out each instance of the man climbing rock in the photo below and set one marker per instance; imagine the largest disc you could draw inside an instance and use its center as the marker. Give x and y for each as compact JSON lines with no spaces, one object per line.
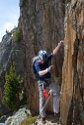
{"x":42,"y":70}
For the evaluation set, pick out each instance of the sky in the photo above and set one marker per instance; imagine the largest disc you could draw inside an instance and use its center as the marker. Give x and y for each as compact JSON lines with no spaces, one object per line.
{"x":9,"y":15}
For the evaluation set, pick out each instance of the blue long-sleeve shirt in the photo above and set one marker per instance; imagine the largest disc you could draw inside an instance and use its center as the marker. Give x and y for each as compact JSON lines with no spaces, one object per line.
{"x":39,"y":67}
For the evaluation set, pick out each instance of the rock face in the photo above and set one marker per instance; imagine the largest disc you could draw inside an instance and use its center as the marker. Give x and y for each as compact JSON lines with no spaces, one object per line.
{"x":9,"y":51}
{"x":20,"y":115}
{"x":72,"y":90}
{"x":43,"y":27}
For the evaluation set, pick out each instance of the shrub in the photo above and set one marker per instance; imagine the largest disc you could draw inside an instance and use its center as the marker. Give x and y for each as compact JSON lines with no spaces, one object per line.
{"x":29,"y":120}
{"x":17,"y":33}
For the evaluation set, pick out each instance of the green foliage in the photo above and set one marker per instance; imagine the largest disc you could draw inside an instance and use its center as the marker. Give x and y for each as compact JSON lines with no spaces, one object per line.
{"x":17,"y":33}
{"x":28,"y":121}
{"x":11,"y":88}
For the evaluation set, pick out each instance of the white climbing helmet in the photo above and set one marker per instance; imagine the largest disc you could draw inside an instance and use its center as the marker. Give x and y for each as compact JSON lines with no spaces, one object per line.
{"x":43,"y":55}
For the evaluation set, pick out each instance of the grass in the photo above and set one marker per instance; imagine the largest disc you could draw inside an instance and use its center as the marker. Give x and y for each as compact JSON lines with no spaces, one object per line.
{"x":29,"y":120}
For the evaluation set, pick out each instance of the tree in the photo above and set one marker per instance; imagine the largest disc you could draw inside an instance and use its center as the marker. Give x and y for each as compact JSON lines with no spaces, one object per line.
{"x":11,"y":88}
{"x":17,"y":33}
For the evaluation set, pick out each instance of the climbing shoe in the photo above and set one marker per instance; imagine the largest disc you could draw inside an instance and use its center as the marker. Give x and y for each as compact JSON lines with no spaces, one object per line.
{"x":43,"y":120}
{"x":57,"y":114}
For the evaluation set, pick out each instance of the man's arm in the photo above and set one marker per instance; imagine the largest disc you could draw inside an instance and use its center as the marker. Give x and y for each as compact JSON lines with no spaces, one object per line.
{"x":43,"y":72}
{"x":55,"y":51}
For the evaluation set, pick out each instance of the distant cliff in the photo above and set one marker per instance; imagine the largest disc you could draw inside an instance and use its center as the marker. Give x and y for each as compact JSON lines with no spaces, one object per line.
{"x":10,"y":51}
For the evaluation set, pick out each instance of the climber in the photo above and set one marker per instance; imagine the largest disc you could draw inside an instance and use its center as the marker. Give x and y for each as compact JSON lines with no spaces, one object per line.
{"x":43,"y":75}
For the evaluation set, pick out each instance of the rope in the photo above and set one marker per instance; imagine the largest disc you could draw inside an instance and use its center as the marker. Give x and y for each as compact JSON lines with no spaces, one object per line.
{"x":46,"y":103}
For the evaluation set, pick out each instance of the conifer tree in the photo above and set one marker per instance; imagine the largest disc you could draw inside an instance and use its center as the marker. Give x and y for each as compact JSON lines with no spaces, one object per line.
{"x":11,"y":88}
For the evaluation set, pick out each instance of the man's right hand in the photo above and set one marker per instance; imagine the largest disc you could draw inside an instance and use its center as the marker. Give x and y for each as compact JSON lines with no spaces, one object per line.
{"x":49,"y":68}
{"x":62,"y":42}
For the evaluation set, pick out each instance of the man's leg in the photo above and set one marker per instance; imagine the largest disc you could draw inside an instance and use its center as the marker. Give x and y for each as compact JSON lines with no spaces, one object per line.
{"x":56,"y":97}
{"x":41,"y":102}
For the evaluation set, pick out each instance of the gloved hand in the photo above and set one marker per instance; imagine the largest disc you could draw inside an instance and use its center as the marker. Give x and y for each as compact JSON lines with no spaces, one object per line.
{"x":49,"y":68}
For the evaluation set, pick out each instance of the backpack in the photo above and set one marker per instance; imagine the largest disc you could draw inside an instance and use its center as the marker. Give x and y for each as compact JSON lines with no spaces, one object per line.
{"x":33,"y":64}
